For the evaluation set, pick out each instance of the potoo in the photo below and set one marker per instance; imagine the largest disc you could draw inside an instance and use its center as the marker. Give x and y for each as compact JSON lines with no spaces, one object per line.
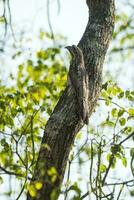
{"x":78,"y":79}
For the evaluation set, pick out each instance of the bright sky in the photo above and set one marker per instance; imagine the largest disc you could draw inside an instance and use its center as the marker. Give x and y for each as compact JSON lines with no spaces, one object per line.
{"x":70,"y":21}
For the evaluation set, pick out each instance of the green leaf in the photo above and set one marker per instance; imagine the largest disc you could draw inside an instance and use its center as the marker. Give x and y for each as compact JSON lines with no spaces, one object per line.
{"x":6,"y":146}
{"x":3,"y":142}
{"x":115,"y":91}
{"x":104,"y":86}
{"x":107,"y":123}
{"x":121,"y":95}
{"x":2,"y":19}
{"x":114,"y":112}
{"x":75,"y":188}
{"x":132,"y":152}
{"x":132,"y":193}
{"x":124,"y":161}
{"x":113,"y":162}
{"x":121,"y":112}
{"x":122,"y":121}
{"x":2,"y":105}
{"x":108,"y":157}
{"x":131,"y":111}
{"x":128,"y":129}
{"x":38,"y":185}
{"x":129,"y":95}
{"x":103,"y":168}
{"x":41,"y":35}
{"x":118,"y":155}
{"x":104,"y":94}
{"x":1,"y":180}
{"x":32,"y":190}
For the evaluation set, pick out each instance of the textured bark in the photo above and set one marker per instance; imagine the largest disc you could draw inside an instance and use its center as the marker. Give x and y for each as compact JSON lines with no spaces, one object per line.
{"x":64,"y":122}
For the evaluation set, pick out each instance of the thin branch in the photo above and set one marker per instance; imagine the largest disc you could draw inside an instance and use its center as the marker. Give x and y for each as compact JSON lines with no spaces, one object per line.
{"x":68,"y":176}
{"x":97,"y":181}
{"x":108,"y":168}
{"x":114,"y":133}
{"x":101,"y":99}
{"x":91,"y":166}
{"x":4,"y":15}
{"x":26,"y":177}
{"x":131,"y":165}
{"x":22,"y":189}
{"x":58,"y":3}
{"x":32,"y":140}
{"x":121,"y":189}
{"x":120,"y":183}
{"x":10,"y":20}
{"x":85,"y":195}
{"x":132,"y":134}
{"x":4,"y":133}
{"x":101,"y":197}
{"x":81,"y":148}
{"x":90,"y":174}
{"x":49,"y":21}
{"x":12,"y":173}
{"x":115,"y":50}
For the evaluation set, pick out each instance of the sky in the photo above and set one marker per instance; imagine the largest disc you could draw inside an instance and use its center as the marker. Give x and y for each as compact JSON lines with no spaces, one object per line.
{"x":70,"y":20}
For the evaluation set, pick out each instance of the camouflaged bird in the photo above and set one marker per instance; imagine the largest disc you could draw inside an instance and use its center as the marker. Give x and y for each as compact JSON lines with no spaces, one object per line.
{"x":78,"y":79}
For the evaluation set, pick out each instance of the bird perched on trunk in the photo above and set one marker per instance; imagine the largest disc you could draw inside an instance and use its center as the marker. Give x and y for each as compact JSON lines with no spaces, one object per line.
{"x":78,"y":79}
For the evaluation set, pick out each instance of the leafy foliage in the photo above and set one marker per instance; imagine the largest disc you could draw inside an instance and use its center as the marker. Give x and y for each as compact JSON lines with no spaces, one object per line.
{"x":106,"y":150}
{"x":24,"y":110}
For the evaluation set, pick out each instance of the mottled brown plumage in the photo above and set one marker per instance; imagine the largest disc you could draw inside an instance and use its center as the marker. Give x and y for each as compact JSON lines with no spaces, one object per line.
{"x":78,"y":79}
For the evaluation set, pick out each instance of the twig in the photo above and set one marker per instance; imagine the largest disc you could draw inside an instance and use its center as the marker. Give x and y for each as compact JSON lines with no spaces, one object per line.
{"x":10,"y":20}
{"x":58,"y":3}
{"x":122,"y":49}
{"x":32,"y":140}
{"x":101,"y":99}
{"x":131,"y":165}
{"x":108,"y":168}
{"x":120,"y":192}
{"x":49,"y":21}
{"x":26,"y":177}
{"x":120,"y":183}
{"x":81,"y":148}
{"x":12,"y":173}
{"x":68,"y":176}
{"x":4,"y":15}
{"x":126,"y":138}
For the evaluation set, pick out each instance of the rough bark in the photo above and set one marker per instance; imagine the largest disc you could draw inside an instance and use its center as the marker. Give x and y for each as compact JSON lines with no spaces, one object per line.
{"x":64,"y":122}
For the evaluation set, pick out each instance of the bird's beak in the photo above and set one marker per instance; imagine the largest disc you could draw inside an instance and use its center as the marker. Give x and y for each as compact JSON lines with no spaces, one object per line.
{"x":68,"y":48}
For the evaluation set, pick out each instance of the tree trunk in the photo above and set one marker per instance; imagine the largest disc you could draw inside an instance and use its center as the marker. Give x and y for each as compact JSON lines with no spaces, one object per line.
{"x":64,"y":122}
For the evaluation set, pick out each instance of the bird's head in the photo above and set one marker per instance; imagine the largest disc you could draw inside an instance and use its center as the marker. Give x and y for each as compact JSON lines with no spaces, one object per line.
{"x":74,"y":51}
{"x":71,"y":51}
